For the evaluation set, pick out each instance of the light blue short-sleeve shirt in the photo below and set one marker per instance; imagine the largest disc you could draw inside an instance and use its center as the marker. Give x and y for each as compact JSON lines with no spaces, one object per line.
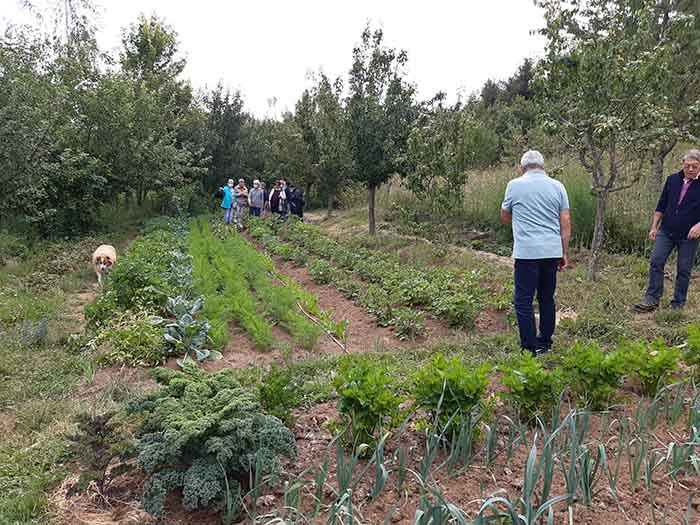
{"x":536,"y":201}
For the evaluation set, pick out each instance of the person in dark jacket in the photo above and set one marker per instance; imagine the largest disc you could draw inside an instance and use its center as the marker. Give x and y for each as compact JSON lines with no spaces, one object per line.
{"x":295,"y":198}
{"x":675,"y":225}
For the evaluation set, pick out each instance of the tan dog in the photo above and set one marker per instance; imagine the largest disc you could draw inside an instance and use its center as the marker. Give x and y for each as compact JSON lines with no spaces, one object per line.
{"x":103,"y":259}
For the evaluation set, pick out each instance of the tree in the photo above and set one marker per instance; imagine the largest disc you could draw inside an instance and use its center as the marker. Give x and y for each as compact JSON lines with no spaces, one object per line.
{"x":304,"y":113}
{"x":381,"y":114}
{"x":149,"y":51}
{"x":601,"y":92}
{"x":225,"y":118}
{"x":436,"y":149}
{"x":330,"y":126}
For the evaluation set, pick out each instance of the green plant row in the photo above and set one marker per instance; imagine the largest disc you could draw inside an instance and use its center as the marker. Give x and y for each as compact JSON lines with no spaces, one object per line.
{"x":408,"y":322}
{"x":147,"y":311}
{"x":444,"y":293}
{"x":451,"y":391}
{"x":243,"y":284}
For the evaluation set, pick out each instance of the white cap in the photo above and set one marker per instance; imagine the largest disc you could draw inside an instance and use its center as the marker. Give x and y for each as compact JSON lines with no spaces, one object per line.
{"x":256,"y":181}
{"x":532,"y":158}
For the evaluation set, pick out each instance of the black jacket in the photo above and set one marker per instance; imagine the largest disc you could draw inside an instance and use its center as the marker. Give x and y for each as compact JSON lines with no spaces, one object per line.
{"x":678,"y":219}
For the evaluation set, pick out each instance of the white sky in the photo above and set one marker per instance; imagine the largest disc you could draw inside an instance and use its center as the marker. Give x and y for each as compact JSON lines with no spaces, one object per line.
{"x":267,"y":48}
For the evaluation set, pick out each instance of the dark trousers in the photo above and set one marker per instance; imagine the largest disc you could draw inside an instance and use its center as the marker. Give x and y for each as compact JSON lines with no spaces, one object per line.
{"x":663,"y":247}
{"x":535,"y":275}
{"x":254,"y":212}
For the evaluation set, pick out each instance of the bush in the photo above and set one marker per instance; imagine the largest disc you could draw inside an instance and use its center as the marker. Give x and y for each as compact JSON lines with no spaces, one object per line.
{"x":650,"y":364}
{"x":98,"y":442}
{"x":458,"y":309}
{"x":201,"y":432}
{"x":368,"y":401}
{"x":408,"y":323}
{"x":146,"y":275}
{"x":280,"y":392}
{"x":592,"y":375}
{"x":132,"y":340}
{"x":11,"y":247}
{"x":101,"y":310}
{"x":691,"y":353}
{"x":531,"y":388}
{"x":321,"y":271}
{"x":449,"y":389}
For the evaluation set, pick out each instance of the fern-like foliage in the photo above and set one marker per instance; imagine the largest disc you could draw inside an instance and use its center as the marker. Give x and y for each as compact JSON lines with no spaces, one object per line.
{"x":200,"y":430}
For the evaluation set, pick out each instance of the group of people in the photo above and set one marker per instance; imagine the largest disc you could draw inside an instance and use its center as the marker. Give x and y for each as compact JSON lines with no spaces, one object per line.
{"x":537,"y":206}
{"x":284,"y":198}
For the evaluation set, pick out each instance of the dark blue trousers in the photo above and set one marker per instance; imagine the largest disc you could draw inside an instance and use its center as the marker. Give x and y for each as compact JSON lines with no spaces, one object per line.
{"x":535,"y":276}
{"x":663,"y":247}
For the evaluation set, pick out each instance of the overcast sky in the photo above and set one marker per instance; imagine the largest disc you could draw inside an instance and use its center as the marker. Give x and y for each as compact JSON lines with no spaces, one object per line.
{"x":267,"y":48}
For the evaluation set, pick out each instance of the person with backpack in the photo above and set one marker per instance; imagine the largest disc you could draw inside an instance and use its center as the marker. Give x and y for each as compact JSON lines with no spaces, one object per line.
{"x":227,"y":201}
{"x":256,"y":199}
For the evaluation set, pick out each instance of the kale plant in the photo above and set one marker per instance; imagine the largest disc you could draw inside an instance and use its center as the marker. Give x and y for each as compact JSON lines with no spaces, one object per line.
{"x":201,"y":432}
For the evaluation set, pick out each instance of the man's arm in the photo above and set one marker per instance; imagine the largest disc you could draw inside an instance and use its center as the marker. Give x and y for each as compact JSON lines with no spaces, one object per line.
{"x":507,"y":206}
{"x":655,"y":224}
{"x":565,"y":228}
{"x":506,"y":216}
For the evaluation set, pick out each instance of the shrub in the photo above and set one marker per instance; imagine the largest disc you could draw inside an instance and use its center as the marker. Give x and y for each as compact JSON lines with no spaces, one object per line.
{"x":592,"y":374}
{"x":133,"y":340}
{"x":280,"y":392}
{"x":457,"y":308}
{"x":450,"y":390}
{"x":202,"y":432}
{"x":378,"y":303}
{"x":650,"y":364}
{"x":321,"y":271}
{"x":368,"y":401}
{"x":98,"y":442}
{"x":148,"y":274}
{"x":348,"y":287}
{"x":11,"y":246}
{"x":531,"y":388}
{"x":691,"y":353}
{"x":408,"y":323}
{"x":101,"y":310}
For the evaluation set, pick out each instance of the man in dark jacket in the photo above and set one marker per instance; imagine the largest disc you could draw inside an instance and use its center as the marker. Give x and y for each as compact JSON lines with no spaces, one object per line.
{"x":676,"y":224}
{"x":295,"y":198}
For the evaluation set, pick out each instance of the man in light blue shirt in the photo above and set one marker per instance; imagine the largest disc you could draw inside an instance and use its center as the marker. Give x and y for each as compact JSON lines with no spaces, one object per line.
{"x":538,"y":208}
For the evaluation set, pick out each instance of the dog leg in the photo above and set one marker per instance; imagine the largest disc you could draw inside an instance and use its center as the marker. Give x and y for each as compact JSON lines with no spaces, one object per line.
{"x":99,"y":278}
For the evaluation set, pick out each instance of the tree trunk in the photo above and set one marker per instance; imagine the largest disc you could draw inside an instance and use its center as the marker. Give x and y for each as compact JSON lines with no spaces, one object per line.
{"x":601,"y":202}
{"x":331,"y":195}
{"x":372,"y":190}
{"x":656,"y":177}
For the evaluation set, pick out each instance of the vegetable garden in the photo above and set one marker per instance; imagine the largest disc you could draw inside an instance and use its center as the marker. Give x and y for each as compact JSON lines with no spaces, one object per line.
{"x":456,"y":429}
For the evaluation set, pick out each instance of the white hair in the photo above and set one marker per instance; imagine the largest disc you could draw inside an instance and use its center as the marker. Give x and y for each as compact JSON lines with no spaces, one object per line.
{"x":532,"y":158}
{"x":692,"y":154}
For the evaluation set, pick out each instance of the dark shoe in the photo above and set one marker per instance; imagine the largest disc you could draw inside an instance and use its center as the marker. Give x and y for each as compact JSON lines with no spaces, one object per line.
{"x":644,"y":307}
{"x":544,"y":350}
{"x":677,"y":307}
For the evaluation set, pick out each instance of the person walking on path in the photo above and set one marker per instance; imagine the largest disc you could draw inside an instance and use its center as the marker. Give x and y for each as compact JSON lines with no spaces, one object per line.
{"x":227,"y":202}
{"x":538,"y":208}
{"x":240,"y":193}
{"x":675,"y":225}
{"x":256,"y":199}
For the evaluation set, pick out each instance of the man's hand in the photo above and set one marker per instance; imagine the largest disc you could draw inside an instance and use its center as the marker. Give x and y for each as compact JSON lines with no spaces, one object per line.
{"x":652,"y":233}
{"x":694,"y":233}
{"x":564,"y":263}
